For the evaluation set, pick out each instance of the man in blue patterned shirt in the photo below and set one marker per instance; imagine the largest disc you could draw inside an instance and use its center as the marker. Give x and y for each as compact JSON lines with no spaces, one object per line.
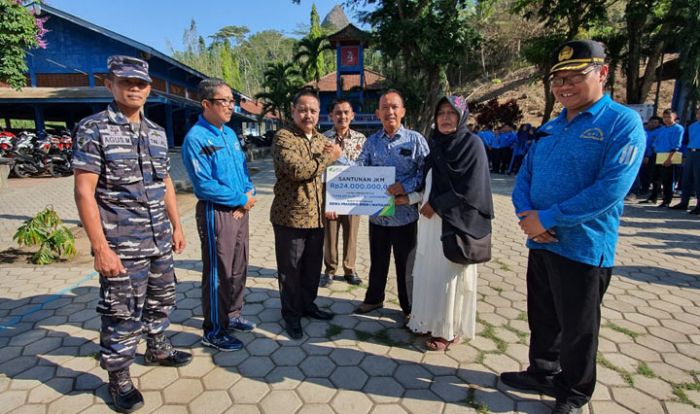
{"x":394,"y":145}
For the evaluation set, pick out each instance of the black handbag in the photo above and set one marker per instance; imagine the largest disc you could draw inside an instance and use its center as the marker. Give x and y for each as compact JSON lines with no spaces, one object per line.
{"x":462,"y":248}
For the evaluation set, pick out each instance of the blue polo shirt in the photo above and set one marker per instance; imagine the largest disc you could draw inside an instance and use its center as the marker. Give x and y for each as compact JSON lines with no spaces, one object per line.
{"x":669,"y":138}
{"x":577,"y":175}
{"x":694,"y":135}
{"x":651,"y":137}
{"x":487,"y":136}
{"x":406,"y":151}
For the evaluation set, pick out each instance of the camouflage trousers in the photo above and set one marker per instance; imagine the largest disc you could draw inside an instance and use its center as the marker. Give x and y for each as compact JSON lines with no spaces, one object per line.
{"x":138,"y":302}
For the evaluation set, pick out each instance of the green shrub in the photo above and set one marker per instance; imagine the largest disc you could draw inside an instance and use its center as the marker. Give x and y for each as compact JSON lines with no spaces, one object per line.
{"x":47,"y":231}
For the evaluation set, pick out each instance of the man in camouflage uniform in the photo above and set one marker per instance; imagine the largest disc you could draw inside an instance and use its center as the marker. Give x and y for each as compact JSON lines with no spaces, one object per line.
{"x":126,"y":202}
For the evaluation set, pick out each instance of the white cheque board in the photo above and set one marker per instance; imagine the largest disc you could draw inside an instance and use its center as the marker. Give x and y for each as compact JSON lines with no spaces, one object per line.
{"x":359,"y":191}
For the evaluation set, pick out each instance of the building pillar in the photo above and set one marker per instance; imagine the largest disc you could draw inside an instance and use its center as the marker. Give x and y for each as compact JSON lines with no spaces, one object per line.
{"x":39,"y":124}
{"x":169,"y":126}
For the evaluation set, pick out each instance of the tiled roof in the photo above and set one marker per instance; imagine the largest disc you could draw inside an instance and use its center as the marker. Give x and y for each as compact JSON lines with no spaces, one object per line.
{"x":373,"y":81}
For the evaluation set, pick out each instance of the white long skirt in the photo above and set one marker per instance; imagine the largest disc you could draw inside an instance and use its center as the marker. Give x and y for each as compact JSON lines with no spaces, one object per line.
{"x":444,"y":292}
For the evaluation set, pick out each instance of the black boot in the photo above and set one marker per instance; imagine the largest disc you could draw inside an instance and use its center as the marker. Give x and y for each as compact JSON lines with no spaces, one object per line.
{"x":125,"y":396}
{"x":160,"y":352}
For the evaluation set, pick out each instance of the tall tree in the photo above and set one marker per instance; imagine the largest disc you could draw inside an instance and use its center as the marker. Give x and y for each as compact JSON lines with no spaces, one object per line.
{"x":19,"y":32}
{"x":421,"y":40}
{"x":281,"y":81}
{"x":565,"y":20}
{"x":309,"y":57}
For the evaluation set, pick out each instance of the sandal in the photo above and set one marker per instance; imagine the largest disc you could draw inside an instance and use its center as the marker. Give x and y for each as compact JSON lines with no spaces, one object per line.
{"x":435,"y":343}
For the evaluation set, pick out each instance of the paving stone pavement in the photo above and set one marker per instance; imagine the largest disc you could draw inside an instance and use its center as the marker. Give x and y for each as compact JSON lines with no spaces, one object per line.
{"x":649,"y":358}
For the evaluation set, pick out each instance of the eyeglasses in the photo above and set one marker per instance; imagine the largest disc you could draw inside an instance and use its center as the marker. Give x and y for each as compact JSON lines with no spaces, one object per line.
{"x":573,"y":79}
{"x":223,"y":101}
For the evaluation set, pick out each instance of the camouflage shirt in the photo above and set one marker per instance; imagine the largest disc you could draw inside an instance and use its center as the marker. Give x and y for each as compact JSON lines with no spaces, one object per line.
{"x":132,"y":162}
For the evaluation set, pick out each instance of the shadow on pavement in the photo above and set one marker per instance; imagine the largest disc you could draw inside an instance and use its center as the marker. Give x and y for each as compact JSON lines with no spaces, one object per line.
{"x":53,"y":339}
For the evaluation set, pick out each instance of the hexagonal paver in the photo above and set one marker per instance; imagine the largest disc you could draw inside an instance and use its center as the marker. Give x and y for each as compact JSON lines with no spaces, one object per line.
{"x":347,"y":356}
{"x":256,"y":367}
{"x":351,"y":402}
{"x":262,"y":346}
{"x":316,"y":390}
{"x":281,"y":402}
{"x":220,"y":379}
{"x":248,"y":391}
{"x":210,"y":402}
{"x":349,"y":378}
{"x":158,"y":379}
{"x":413,"y":376}
{"x":284,"y":378}
{"x":288,"y":356}
{"x":317,"y":366}
{"x":182,"y":391}
{"x":383,"y":390}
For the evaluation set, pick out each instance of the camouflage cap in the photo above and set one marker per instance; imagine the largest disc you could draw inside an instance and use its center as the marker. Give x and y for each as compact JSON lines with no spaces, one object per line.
{"x":128,"y":67}
{"x":578,"y":55}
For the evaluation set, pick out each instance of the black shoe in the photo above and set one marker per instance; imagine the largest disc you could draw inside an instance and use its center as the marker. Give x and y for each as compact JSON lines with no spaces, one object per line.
{"x":679,"y":206}
{"x":159,"y":351}
{"x":565,"y":408}
{"x":663,"y":205}
{"x":648,"y":201}
{"x":319,"y":314}
{"x":695,"y":211}
{"x":353,"y":279}
{"x":326,"y":280}
{"x":526,"y":380}
{"x":294,"y":330}
{"x":125,"y":396}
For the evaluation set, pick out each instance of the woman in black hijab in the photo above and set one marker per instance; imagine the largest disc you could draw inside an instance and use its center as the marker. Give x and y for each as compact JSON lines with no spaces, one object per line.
{"x":457,"y":191}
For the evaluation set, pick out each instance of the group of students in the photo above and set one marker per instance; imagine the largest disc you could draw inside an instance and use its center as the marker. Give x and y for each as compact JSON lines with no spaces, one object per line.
{"x":568,"y":198}
{"x":505,"y":147}
{"x":680,"y":167}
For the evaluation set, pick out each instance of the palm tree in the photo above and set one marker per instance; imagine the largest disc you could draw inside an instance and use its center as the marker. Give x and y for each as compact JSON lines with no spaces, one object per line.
{"x":281,"y":81}
{"x":309,"y":56}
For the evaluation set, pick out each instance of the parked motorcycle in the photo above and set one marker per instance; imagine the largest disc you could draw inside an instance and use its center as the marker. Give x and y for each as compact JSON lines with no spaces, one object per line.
{"x":7,"y":142}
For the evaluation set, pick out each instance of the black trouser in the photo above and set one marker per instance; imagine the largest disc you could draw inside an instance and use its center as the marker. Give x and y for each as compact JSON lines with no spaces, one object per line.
{"x":645,"y":176}
{"x":661,"y":177}
{"x":691,"y":177}
{"x":381,"y":241}
{"x":224,"y":264}
{"x":299,"y":254}
{"x":563,"y":305}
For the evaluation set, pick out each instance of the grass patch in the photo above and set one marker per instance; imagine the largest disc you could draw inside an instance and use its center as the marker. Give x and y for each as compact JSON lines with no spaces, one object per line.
{"x":489,"y":332}
{"x":632,"y":334}
{"x":352,"y":288}
{"x":502,"y":265}
{"x":480,"y":357}
{"x":498,"y":289}
{"x":522,"y":316}
{"x":680,"y":389}
{"x":394,"y":301}
{"x":333,"y":330}
{"x":643,"y":369}
{"x":381,"y":337}
{"x":522,"y":336}
{"x":94,"y":355}
{"x":473,"y":403}
{"x":626,"y":376}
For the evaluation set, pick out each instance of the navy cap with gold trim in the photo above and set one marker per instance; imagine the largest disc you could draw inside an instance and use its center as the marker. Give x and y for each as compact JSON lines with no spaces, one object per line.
{"x":128,"y":67}
{"x":577,"y":55}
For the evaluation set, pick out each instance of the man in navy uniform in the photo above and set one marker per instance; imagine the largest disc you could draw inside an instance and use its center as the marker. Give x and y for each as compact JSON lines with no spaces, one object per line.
{"x":126,"y":202}
{"x":569,"y":196}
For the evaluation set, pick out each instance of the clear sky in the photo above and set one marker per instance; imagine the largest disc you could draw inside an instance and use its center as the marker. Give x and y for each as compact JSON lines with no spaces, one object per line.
{"x":161,"y":23}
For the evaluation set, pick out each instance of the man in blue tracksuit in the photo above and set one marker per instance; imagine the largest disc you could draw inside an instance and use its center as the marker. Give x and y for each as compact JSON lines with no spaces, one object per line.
{"x":569,"y":197}
{"x":217,"y":168}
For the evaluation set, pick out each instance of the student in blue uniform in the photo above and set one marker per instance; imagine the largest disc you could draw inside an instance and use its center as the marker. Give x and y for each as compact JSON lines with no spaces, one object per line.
{"x":668,"y":141}
{"x":691,"y":168}
{"x":569,"y":197}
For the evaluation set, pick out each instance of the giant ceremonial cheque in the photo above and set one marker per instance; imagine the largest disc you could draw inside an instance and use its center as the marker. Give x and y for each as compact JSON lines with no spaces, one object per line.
{"x":359,"y":191}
